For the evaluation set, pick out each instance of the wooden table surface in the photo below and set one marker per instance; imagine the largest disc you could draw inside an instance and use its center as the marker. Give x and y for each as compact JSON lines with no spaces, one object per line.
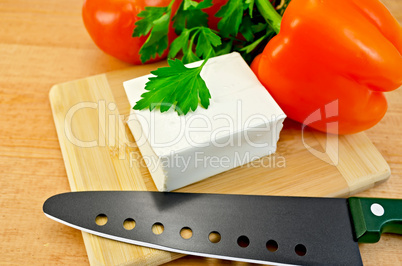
{"x":44,"y":42}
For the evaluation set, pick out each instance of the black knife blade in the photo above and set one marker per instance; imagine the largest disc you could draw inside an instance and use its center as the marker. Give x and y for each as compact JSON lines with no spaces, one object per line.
{"x":258,"y":229}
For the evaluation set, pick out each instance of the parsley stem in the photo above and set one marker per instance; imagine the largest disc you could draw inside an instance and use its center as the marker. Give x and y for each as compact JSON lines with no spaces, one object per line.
{"x":171,"y":4}
{"x":269,"y":13}
{"x":203,"y":63}
{"x":193,"y":37}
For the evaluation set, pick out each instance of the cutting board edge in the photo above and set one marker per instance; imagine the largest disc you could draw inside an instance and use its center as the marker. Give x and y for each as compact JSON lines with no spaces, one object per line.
{"x":374,"y":180}
{"x":59,"y":131}
{"x":155,"y":258}
{"x":53,"y":93}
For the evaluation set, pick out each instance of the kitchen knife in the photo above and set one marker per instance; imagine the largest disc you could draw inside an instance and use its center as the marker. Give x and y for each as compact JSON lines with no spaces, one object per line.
{"x":259,"y":229}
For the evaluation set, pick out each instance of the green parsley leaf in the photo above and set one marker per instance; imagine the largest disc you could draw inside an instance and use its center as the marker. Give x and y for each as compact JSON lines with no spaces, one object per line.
{"x":176,"y":86}
{"x":204,"y":38}
{"x":204,"y":4}
{"x":189,"y":56}
{"x":225,"y":48}
{"x":255,"y":47}
{"x":180,"y":43}
{"x":189,"y":3}
{"x":184,"y":43}
{"x":190,"y":15}
{"x":249,"y":48}
{"x":154,"y":20}
{"x":259,"y":27}
{"x":232,"y":15}
{"x":246,"y":29}
{"x":181,"y":87}
{"x":206,"y":42}
{"x":149,"y":15}
{"x":250,"y":5}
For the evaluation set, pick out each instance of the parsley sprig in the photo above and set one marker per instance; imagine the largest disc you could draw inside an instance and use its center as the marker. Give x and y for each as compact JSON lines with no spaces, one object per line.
{"x":245,"y":26}
{"x":204,"y":39}
{"x":166,"y":89}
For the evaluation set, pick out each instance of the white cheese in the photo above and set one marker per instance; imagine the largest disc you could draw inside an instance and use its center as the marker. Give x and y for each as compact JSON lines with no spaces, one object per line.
{"x":241,"y":124}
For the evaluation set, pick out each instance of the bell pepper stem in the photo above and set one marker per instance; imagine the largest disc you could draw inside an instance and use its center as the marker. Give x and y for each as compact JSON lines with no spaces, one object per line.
{"x":269,"y":13}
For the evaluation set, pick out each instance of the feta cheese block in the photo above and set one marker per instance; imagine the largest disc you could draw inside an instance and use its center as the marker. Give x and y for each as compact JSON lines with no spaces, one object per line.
{"x":241,"y":124}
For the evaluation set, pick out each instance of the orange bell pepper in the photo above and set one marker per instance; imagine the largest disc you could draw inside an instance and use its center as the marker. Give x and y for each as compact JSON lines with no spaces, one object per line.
{"x":333,"y":59}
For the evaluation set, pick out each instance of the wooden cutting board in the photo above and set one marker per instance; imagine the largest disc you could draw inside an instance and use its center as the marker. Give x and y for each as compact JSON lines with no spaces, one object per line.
{"x":100,"y":154}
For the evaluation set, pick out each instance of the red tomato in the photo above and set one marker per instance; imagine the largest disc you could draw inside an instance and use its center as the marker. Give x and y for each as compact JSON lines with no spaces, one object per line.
{"x":110,"y":23}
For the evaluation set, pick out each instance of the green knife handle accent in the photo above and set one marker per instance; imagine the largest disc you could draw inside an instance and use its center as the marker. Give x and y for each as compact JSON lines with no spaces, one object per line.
{"x":373,"y":216}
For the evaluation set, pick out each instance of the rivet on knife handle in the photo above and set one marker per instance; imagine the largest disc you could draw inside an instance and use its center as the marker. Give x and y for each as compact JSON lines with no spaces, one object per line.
{"x":372,"y":216}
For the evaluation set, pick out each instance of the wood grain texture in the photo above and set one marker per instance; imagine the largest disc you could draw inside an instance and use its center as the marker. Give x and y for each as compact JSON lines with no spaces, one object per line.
{"x":42,"y":43}
{"x":100,"y":154}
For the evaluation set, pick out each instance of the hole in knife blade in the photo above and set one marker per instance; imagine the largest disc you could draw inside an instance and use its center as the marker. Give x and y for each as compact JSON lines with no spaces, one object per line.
{"x":300,"y":250}
{"x":129,"y":224}
{"x":158,"y":228}
{"x":101,"y":219}
{"x":243,"y":241}
{"x":214,"y":237}
{"x":186,"y":232}
{"x":272,"y":245}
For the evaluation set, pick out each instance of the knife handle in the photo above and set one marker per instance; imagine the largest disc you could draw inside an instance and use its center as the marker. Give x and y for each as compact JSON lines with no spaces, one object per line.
{"x":373,"y":216}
